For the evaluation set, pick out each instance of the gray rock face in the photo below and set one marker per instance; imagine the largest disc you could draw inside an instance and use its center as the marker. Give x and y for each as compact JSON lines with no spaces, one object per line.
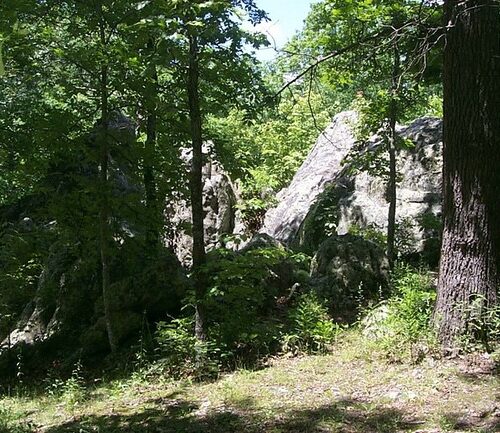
{"x":66,"y":303}
{"x":321,"y":167}
{"x":219,"y":201}
{"x":349,"y":269}
{"x":30,"y":328}
{"x":325,"y":199}
{"x":419,"y":189}
{"x":40,"y":320}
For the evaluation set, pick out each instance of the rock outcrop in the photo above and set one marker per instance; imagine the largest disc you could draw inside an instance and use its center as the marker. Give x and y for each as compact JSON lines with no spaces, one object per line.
{"x":322,"y":167}
{"x":219,"y":201}
{"x":349,"y":270}
{"x":31,"y":327}
{"x":64,"y":296}
{"x":325,"y":198}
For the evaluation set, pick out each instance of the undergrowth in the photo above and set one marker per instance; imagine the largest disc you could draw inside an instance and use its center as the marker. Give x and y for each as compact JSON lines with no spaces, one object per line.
{"x":255,"y":309}
{"x":483,"y":327}
{"x":306,"y":328}
{"x":401,"y":325}
{"x":71,"y":391}
{"x":398,"y":329}
{"x":256,"y":313}
{"x":11,"y":422}
{"x":311,"y":329}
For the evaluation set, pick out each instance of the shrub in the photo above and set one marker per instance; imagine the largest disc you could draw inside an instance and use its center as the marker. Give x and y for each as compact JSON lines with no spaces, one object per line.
{"x":414,"y":302}
{"x":403,"y":320}
{"x":483,"y":326}
{"x":371,"y":233}
{"x":71,"y":391}
{"x":242,"y":309}
{"x":311,"y":328}
{"x":242,"y":300}
{"x":180,"y":352}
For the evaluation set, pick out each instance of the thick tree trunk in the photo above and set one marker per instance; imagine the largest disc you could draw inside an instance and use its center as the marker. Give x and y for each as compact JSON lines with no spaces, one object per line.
{"x":196,"y":186}
{"x":470,"y":255}
{"x":391,"y":147}
{"x":104,"y":211}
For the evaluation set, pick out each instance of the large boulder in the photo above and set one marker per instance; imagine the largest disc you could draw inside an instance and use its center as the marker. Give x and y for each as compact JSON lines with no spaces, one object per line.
{"x":31,"y":327}
{"x":349,"y":270}
{"x":219,"y":205}
{"x":321,"y":168}
{"x":64,"y":309}
{"x":327,"y":197}
{"x":68,"y":304}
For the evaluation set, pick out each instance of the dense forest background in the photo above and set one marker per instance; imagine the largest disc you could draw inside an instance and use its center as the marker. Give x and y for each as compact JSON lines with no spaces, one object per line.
{"x":110,"y":113}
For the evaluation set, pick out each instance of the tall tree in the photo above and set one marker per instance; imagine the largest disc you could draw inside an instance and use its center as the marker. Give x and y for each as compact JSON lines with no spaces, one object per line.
{"x":218,"y":70}
{"x":196,"y":183}
{"x":469,"y":274}
{"x":392,"y":140}
{"x":83,"y":37}
{"x":150,"y":185}
{"x":104,"y":211}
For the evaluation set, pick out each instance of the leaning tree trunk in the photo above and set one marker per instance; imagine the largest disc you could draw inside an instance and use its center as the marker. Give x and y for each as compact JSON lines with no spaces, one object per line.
{"x":196,"y":187}
{"x":470,"y":254}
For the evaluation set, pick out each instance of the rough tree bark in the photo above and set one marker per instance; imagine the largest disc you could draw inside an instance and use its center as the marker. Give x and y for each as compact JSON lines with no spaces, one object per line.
{"x":196,"y":187}
{"x":470,"y":254}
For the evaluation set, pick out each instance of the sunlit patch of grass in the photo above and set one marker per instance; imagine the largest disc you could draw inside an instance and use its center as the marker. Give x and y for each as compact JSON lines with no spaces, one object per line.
{"x":349,"y":390}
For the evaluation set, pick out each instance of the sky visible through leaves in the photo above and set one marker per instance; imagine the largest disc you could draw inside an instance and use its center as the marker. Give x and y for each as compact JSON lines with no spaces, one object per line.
{"x":287,"y":17}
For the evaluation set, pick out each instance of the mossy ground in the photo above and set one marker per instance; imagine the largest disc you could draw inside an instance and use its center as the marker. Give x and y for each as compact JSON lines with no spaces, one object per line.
{"x":353,"y":389}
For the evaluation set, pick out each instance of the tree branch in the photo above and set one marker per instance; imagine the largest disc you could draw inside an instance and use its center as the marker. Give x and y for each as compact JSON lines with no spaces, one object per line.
{"x":332,"y":55}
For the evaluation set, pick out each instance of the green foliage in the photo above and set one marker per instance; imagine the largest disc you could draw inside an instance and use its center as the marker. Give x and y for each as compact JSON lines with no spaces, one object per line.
{"x":311,"y":328}
{"x":180,"y":351}
{"x":332,"y":25}
{"x":386,"y":76}
{"x":253,"y":210}
{"x":71,"y":391}
{"x":404,"y":320}
{"x":10,"y":422}
{"x":20,"y":266}
{"x":370,"y":233}
{"x":244,"y":318}
{"x":435,"y":105}
{"x":265,"y":152}
{"x":246,"y":322}
{"x":62,"y":62}
{"x":414,"y":302}
{"x":242,"y":297}
{"x":483,"y":326}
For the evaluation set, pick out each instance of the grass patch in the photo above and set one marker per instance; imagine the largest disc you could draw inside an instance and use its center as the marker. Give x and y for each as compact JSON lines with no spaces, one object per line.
{"x":351,"y":389}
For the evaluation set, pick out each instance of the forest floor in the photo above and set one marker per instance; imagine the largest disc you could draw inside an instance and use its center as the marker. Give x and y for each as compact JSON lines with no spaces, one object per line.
{"x":353,"y":389}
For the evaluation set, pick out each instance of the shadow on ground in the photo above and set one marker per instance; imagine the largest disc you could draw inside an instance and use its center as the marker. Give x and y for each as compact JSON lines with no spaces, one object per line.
{"x":181,"y":416}
{"x":465,"y":422}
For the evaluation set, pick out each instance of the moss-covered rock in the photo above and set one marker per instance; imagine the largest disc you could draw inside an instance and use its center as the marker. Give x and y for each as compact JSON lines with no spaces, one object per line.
{"x":348,"y":271}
